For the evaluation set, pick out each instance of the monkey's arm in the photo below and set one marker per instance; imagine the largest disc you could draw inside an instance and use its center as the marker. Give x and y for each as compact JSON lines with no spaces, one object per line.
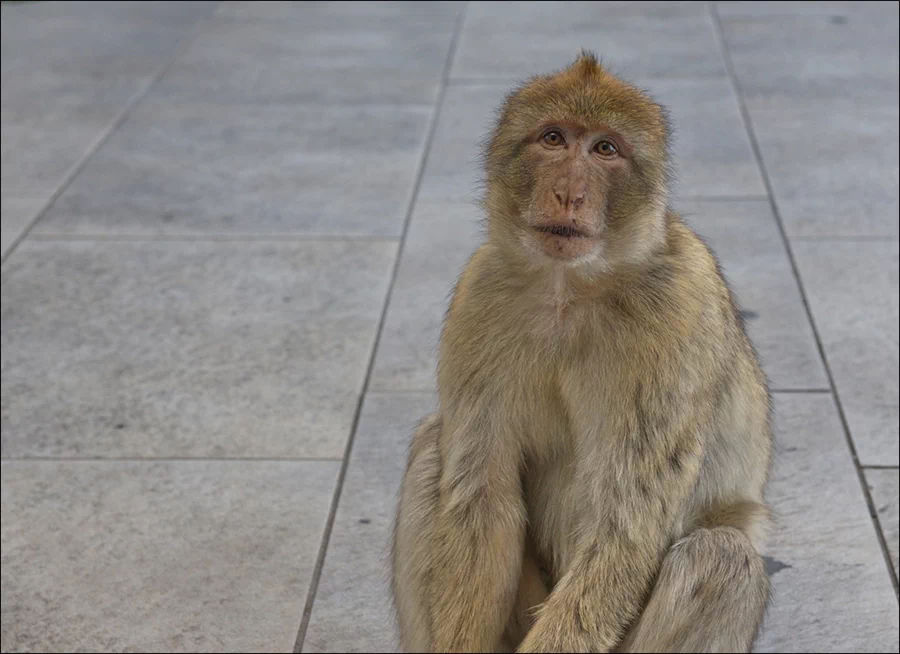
{"x":617,"y":559}
{"x":478,"y":539}
{"x":479,"y":532}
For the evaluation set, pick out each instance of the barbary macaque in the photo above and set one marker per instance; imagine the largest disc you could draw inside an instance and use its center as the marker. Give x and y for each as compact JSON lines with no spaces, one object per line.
{"x":593,"y":477}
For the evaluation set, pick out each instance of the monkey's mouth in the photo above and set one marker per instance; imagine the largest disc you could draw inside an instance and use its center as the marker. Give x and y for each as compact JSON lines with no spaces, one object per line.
{"x":565,"y":231}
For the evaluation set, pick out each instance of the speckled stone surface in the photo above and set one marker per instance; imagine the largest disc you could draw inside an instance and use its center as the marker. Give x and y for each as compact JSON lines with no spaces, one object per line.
{"x":203,"y":349}
{"x":182,"y":556}
{"x":885,"y":491}
{"x":255,"y":213}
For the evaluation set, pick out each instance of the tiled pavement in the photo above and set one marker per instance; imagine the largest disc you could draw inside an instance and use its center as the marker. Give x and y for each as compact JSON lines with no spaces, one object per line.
{"x":229,"y":231}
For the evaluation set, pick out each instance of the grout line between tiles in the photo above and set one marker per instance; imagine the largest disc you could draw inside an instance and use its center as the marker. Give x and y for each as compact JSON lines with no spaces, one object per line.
{"x":426,"y":150}
{"x":862,"y":238}
{"x":228,"y":238}
{"x":111,"y":128}
{"x":174,"y":459}
{"x":878,"y":466}
{"x":720,"y":198}
{"x":517,"y":81}
{"x":757,"y":152}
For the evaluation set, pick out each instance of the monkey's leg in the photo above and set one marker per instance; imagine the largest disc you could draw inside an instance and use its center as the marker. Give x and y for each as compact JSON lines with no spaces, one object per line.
{"x":710,"y":596}
{"x":413,"y":538}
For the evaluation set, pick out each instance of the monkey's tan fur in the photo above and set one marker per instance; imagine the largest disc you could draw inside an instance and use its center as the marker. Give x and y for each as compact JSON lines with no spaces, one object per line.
{"x":593,"y":478}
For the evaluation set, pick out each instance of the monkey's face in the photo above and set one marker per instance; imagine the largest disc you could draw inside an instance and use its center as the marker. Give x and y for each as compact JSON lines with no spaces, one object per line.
{"x":576,"y":168}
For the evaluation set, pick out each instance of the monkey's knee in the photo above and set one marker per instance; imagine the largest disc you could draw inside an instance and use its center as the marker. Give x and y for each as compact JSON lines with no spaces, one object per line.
{"x":751,"y":518}
{"x":718,"y":564}
{"x":723,"y":551}
{"x":411,"y":557}
{"x":710,"y":596}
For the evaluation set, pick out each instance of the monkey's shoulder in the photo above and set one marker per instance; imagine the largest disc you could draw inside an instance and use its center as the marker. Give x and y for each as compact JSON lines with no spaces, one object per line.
{"x":467,"y":282}
{"x":703,"y":271}
{"x":494,"y":317}
{"x":678,"y":288}
{"x":688,"y":255}
{"x":484,"y":290}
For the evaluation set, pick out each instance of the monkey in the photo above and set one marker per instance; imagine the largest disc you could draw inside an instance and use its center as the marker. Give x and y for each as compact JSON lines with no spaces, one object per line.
{"x":593,"y":477}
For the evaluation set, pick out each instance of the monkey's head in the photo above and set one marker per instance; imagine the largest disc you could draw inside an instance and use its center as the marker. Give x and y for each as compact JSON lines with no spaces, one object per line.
{"x":576,"y":169}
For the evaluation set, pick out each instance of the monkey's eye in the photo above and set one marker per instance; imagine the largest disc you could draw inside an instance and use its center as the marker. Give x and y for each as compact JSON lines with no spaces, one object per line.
{"x":606,"y":148}
{"x":553,"y":138}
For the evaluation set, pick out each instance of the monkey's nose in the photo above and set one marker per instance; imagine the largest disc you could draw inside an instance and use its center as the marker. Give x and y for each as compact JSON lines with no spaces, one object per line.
{"x":567,"y":198}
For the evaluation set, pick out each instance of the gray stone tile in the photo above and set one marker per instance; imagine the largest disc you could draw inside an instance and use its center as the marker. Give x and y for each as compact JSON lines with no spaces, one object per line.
{"x":355,"y":576}
{"x":812,"y":46}
{"x":885,"y":490}
{"x":745,"y":237}
{"x":798,"y":97}
{"x":68,"y":69}
{"x":38,"y":151}
{"x":15,"y":214}
{"x":832,"y":592}
{"x":823,"y":187}
{"x":441,"y":238}
{"x":238,"y":169}
{"x":302,"y":61}
{"x":85,"y":44}
{"x":50,"y":118}
{"x":356,"y":14}
{"x":41,"y":143}
{"x":159,"y":12}
{"x":44,"y":94}
{"x":503,"y":44}
{"x":452,"y":171}
{"x":544,"y":16}
{"x":103,"y":43}
{"x":162,"y":349}
{"x":801,"y":62}
{"x":804,"y":7}
{"x":229,"y":76}
{"x":168,"y":556}
{"x":834,"y":172}
{"x":710,"y":147}
{"x":852,"y":290}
